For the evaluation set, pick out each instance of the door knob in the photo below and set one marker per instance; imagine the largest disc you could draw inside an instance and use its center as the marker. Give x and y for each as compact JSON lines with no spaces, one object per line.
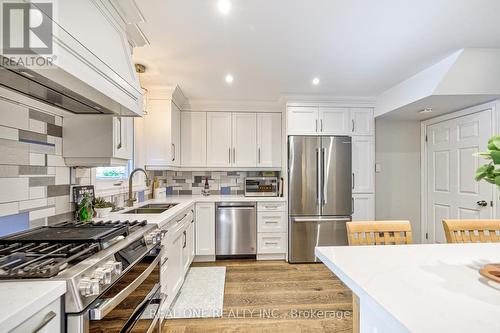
{"x":482,"y":203}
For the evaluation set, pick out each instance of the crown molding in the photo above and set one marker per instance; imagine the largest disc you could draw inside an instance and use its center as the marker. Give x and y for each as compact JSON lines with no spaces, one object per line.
{"x":174,"y":94}
{"x":232,"y":106}
{"x":325,"y":100}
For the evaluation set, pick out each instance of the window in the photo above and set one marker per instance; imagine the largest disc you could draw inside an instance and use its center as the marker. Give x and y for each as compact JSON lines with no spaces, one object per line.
{"x":114,"y":173}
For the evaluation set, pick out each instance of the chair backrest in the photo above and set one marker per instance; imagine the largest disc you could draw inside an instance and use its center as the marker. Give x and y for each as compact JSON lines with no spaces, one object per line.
{"x":472,"y":231}
{"x":379,"y":232}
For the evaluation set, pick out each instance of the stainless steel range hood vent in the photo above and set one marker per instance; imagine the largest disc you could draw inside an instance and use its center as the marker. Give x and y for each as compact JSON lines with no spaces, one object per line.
{"x":68,"y":93}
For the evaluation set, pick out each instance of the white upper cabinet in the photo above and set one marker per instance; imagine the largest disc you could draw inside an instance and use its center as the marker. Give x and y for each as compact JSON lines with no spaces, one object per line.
{"x":219,"y":148}
{"x":334,"y":121}
{"x":108,"y":141}
{"x":362,"y":121}
{"x":244,"y":139}
{"x":313,"y":120}
{"x":194,"y":139}
{"x":162,"y":134}
{"x":269,"y":140}
{"x":302,"y":120}
{"x":363,"y":164}
{"x":176,"y":135}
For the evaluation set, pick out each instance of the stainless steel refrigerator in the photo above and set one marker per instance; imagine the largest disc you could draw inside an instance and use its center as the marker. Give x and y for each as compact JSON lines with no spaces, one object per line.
{"x":319,"y":192}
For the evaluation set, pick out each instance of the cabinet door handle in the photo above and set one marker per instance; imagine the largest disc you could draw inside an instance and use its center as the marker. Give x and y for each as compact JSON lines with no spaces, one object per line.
{"x":119,"y":134}
{"x":173,"y":152}
{"x":234,"y":155}
{"x":353,"y":180}
{"x":185,"y":239}
{"x":316,"y":126}
{"x":47,"y":319}
{"x":352,"y":206}
{"x":321,"y":125}
{"x":229,"y":156}
{"x":353,"y":125}
{"x":258,"y":151}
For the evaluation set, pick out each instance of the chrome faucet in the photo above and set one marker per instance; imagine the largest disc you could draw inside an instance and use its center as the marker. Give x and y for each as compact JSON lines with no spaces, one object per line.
{"x":131,"y":199}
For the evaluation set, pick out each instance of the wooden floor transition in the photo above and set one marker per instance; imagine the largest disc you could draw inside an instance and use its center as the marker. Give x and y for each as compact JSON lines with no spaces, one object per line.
{"x":275,"y":297}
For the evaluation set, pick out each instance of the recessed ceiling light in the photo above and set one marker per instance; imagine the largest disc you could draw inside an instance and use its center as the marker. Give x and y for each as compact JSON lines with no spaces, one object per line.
{"x":229,"y":78}
{"x":426,"y":110}
{"x":315,"y":81}
{"x":224,"y":6}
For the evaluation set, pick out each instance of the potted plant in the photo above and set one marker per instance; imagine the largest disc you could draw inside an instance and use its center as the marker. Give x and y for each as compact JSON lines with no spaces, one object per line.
{"x":490,"y":172}
{"x":85,"y":208}
{"x":102,"y":207}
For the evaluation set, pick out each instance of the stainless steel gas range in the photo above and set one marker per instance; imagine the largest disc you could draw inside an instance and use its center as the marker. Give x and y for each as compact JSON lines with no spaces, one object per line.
{"x":112,"y":271}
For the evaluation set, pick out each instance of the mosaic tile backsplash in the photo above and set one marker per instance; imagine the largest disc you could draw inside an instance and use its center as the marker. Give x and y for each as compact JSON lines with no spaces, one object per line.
{"x":34,"y":181}
{"x":192,"y":182}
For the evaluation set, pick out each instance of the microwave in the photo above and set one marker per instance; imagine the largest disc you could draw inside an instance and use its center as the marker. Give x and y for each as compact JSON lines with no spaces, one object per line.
{"x":261,"y":187}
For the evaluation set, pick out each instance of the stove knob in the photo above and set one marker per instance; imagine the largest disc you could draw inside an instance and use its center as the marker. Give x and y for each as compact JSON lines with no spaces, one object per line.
{"x":114,"y":267}
{"x":89,"y":287}
{"x":103,"y":275}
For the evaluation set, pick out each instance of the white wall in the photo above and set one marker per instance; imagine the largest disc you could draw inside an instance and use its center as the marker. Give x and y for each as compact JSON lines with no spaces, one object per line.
{"x":397,"y":150}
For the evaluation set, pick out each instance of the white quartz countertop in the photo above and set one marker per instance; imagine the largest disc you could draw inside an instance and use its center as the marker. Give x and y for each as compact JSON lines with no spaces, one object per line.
{"x":423,"y":288}
{"x":21,"y":300}
{"x":183,"y":202}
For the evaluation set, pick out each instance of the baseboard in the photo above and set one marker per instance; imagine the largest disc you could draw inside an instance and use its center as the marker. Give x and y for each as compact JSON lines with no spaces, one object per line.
{"x":206,"y":258}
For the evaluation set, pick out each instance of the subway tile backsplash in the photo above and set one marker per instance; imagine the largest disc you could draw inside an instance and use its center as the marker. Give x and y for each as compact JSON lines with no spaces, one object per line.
{"x":192,"y":182}
{"x":34,"y":181}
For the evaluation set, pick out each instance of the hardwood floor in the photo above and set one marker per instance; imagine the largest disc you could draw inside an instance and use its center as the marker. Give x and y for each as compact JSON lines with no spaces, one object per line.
{"x":275,"y":297}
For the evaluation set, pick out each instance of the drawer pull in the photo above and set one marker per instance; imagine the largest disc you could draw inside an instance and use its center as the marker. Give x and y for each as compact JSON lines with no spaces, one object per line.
{"x":47,"y":319}
{"x":270,"y":221}
{"x":271,"y":243}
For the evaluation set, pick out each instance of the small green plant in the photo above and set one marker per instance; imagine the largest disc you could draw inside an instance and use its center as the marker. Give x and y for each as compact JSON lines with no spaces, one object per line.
{"x":99,"y":202}
{"x":490,"y":172}
{"x":85,"y":208}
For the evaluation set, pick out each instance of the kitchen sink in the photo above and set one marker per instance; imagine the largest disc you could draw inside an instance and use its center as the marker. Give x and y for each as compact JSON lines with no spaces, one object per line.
{"x":150,"y":209}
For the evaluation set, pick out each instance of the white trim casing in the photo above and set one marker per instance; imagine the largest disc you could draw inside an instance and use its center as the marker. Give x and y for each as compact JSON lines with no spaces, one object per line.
{"x":495,"y":108}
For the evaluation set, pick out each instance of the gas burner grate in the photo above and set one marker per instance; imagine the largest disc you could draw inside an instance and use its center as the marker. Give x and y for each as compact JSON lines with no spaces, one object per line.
{"x":41,"y":260}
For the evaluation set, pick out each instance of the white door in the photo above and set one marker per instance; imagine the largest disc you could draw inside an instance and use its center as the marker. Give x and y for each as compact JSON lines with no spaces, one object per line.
{"x":363,"y":164}
{"x":302,"y":120}
{"x":219,"y":152}
{"x":194,"y":139}
{"x":244,"y":139}
{"x":269,"y":139}
{"x":334,"y":121}
{"x":362,"y":121}
{"x":363,"y":207}
{"x":452,"y":192}
{"x":205,"y":229}
{"x":175,"y":128}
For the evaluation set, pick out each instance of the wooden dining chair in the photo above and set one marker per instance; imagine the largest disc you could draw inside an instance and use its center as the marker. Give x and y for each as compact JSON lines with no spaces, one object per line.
{"x":472,"y":231}
{"x":379,"y":232}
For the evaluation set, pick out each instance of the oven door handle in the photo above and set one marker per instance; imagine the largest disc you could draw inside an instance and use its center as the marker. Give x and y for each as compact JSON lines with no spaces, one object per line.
{"x":140,"y":310}
{"x":109,"y":304}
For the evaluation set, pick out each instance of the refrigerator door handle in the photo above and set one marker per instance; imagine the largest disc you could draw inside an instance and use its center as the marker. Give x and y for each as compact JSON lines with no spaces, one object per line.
{"x":318,"y":178}
{"x":323,"y":193}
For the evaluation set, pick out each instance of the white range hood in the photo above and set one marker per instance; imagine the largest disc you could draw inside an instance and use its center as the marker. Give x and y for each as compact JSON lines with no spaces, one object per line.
{"x":94,"y":72}
{"x":466,"y":78}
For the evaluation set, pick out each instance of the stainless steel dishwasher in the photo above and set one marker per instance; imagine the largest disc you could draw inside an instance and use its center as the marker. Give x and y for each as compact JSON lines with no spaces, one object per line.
{"x":236,"y":230}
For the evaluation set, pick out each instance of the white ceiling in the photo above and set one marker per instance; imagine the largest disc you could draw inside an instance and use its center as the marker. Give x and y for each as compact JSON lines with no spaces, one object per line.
{"x":355,"y":47}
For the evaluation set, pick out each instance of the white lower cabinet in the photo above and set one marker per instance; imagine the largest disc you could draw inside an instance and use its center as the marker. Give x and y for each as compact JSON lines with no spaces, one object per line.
{"x":205,"y":229}
{"x":179,"y":244}
{"x":271,"y":221}
{"x":272,"y":237}
{"x":363,"y":207}
{"x":47,"y":320}
{"x":271,"y":243}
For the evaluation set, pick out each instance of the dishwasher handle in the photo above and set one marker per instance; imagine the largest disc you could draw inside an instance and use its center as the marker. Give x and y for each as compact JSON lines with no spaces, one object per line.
{"x":236,"y":207}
